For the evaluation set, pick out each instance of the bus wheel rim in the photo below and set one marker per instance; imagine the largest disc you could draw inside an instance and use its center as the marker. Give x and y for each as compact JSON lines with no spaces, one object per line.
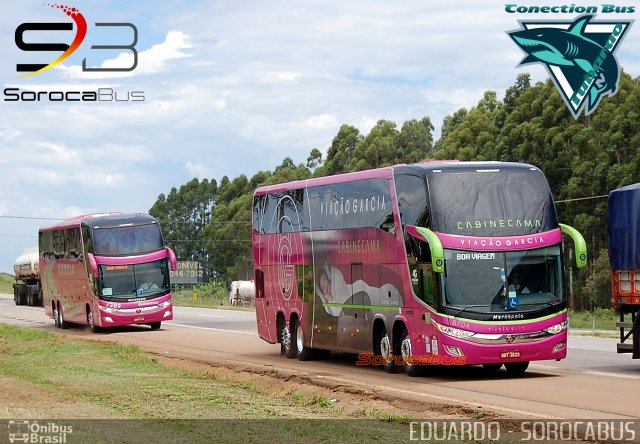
{"x":385,"y":347}
{"x":286,"y":338}
{"x":405,"y":349}
{"x":299,"y":338}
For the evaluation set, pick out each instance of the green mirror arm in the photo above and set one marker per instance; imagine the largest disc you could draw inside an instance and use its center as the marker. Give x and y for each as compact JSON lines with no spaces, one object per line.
{"x":579,"y":244}
{"x":435,"y":245}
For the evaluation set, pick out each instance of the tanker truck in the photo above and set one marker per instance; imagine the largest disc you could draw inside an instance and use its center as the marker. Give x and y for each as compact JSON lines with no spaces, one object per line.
{"x":624,"y":256}
{"x":242,"y":293}
{"x":26,"y":290}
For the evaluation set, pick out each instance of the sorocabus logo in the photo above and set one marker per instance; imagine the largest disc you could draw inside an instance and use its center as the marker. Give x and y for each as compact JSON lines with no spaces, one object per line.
{"x":579,"y":56}
{"x":81,"y":31}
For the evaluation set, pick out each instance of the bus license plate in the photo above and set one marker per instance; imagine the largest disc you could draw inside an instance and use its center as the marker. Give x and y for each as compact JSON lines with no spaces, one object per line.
{"x":138,"y":319}
{"x":510,"y":354}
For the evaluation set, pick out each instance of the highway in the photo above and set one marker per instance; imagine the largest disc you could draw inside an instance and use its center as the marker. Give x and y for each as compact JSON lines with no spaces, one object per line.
{"x":594,"y":382}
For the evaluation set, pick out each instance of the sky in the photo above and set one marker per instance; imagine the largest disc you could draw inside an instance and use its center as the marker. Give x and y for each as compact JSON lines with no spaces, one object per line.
{"x":230,"y":87}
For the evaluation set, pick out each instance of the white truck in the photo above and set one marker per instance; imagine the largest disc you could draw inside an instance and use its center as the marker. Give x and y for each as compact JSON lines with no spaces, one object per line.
{"x":27,"y":290}
{"x":242,"y":293}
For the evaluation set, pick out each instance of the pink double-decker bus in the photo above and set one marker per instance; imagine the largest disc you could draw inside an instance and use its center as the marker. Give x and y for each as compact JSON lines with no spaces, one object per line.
{"x":432,"y":263}
{"x":106,"y":270}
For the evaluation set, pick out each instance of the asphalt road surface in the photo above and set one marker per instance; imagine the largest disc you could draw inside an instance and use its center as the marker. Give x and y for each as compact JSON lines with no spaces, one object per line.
{"x":594,"y":382}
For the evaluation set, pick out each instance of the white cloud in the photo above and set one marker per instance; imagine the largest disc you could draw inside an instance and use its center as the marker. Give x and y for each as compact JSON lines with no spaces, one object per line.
{"x":282,"y":76}
{"x":9,"y":133}
{"x":196,"y":169}
{"x":150,"y":61}
{"x":322,"y":121}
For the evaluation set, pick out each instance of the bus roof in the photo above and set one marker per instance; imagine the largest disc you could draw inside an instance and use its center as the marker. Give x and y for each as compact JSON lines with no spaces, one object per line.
{"x":388,"y":172}
{"x":103,"y":220}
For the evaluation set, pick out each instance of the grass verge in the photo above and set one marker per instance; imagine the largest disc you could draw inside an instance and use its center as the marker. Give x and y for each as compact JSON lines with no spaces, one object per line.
{"x":605,"y":319}
{"x":52,"y":376}
{"x":6,"y":283}
{"x":210,"y":295}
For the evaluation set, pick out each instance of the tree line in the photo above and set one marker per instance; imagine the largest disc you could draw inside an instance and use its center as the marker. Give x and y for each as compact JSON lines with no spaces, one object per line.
{"x":583,"y":159}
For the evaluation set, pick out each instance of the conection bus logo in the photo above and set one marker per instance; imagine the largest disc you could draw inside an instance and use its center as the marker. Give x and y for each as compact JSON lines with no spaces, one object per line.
{"x":81,"y":32}
{"x":578,"y":54}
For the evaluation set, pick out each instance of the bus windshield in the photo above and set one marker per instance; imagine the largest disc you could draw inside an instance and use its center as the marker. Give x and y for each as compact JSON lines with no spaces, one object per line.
{"x":134,"y":281}
{"x":509,"y":281}
{"x":507,"y":202}
{"x":127,"y":240}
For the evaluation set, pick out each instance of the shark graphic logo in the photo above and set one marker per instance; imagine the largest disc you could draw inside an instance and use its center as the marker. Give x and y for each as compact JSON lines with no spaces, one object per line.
{"x":578,"y":55}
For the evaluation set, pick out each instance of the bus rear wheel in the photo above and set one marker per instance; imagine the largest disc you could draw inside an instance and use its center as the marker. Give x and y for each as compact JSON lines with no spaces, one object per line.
{"x":383,"y":349}
{"x":286,"y":343}
{"x":516,"y":368}
{"x":302,"y":352}
{"x":61,"y":322}
{"x":56,"y":317}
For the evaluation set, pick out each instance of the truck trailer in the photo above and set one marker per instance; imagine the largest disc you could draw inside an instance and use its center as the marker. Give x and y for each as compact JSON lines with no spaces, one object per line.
{"x":624,"y":256}
{"x":27,"y":290}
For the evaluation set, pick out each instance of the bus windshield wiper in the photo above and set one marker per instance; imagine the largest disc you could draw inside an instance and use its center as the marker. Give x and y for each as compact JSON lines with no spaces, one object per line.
{"x":538,"y":303}
{"x":468,"y":307}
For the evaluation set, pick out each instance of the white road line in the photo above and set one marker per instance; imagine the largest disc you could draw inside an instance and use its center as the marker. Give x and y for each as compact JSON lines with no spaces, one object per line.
{"x":213,"y":329}
{"x":208,"y":315}
{"x":611,"y":375}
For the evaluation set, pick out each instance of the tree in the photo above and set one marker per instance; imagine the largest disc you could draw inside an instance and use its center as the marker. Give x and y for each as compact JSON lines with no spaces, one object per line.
{"x":340,"y":152}
{"x":183,"y":215}
{"x":415,"y":141}
{"x":377,"y":149}
{"x":315,"y":159}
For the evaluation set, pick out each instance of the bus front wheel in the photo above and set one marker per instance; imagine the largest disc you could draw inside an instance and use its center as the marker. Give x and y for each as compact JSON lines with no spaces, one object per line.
{"x":516,"y":368}
{"x":94,"y":328}
{"x":155,"y":325}
{"x":492,"y":367}
{"x":410,"y":368}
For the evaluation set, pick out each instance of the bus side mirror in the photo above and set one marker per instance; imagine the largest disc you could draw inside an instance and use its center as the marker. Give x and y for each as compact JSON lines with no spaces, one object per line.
{"x":435,"y":245}
{"x":173,"y":262}
{"x":93,"y":265}
{"x":579,"y":244}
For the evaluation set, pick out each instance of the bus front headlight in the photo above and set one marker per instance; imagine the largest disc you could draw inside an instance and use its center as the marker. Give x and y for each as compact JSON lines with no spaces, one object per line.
{"x":454,"y":332}
{"x":558,"y":328}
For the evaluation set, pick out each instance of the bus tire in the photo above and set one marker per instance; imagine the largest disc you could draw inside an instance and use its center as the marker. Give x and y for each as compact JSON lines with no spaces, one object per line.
{"x":54,"y":311}
{"x":516,"y":368}
{"x":286,"y":343}
{"x":94,"y":328}
{"x":303,"y":353}
{"x":407,"y":355}
{"x":61,"y":322}
{"x":155,"y":325}
{"x":382,"y":344}
{"x":494,"y":367}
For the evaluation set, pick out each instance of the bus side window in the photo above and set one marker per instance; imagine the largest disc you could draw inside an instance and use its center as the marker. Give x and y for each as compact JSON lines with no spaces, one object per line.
{"x":423,"y":282}
{"x":423,"y":253}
